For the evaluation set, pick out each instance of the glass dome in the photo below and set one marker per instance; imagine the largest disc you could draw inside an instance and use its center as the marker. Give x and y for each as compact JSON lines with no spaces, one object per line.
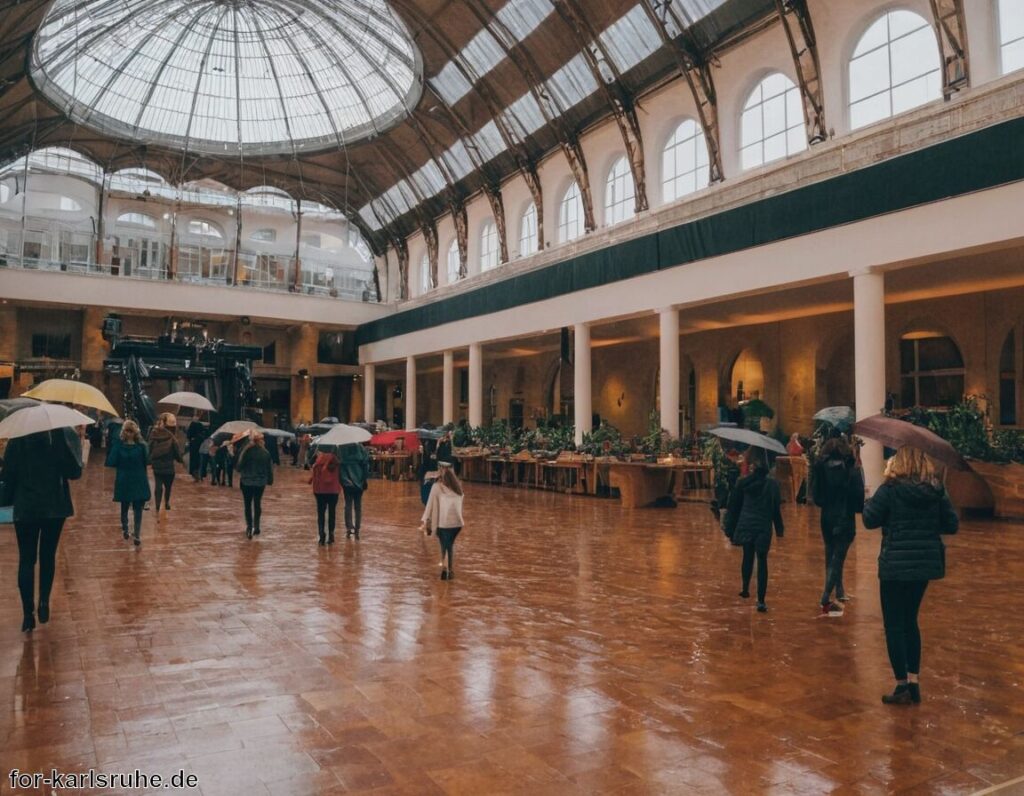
{"x":229,"y":76}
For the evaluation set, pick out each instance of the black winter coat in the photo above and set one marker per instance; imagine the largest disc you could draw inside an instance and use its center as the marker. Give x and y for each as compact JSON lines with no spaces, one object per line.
{"x":912,"y":516}
{"x":837,"y":487}
{"x":754,"y":507}
{"x":36,"y":472}
{"x":254,"y":467}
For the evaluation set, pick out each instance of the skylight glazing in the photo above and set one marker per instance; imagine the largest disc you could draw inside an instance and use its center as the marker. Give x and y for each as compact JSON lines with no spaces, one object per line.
{"x":229,"y":76}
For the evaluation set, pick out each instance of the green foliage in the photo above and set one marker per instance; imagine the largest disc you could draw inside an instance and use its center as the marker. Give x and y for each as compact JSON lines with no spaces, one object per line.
{"x":605,"y":440}
{"x":1008,"y":445}
{"x":966,"y":428}
{"x":725,"y":470}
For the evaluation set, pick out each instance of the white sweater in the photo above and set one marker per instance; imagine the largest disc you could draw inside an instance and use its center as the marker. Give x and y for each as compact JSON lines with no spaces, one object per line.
{"x":444,"y":508}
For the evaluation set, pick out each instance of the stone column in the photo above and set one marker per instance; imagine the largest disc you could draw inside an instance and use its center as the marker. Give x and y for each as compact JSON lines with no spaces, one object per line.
{"x":669,"y":358}
{"x":476,"y":385}
{"x":369,"y":393}
{"x":410,"y":393}
{"x":869,"y":362}
{"x":303,"y":358}
{"x":448,"y":389}
{"x":94,"y":347}
{"x":582,"y":398}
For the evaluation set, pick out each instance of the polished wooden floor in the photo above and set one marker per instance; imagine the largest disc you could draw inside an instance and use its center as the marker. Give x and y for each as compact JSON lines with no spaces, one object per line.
{"x":581,"y":649}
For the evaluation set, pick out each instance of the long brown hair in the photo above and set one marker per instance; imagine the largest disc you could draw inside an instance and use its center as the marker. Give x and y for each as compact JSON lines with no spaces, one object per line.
{"x":446,"y":476}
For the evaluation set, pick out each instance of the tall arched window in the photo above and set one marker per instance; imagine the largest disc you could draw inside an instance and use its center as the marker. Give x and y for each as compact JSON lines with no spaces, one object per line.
{"x":425,"y":275}
{"x":137,"y":219}
{"x":894,"y":68}
{"x":570,"y":214}
{"x":528,"y":238}
{"x":1008,"y":380}
{"x":931,"y":370}
{"x":772,"y":125}
{"x":684,"y":162}
{"x":619,"y":193}
{"x":453,"y":263}
{"x":488,"y":246}
{"x":1011,"y":34}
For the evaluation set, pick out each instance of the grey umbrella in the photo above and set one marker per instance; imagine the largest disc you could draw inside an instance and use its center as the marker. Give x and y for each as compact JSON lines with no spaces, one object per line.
{"x":748,"y":437}
{"x":839,"y":417}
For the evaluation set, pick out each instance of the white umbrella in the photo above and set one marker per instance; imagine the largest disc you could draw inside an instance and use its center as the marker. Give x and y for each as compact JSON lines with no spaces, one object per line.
{"x":233,"y":427}
{"x":748,"y":437}
{"x":343,"y":434}
{"x":45,"y":417}
{"x":280,"y":433}
{"x":193,"y":400}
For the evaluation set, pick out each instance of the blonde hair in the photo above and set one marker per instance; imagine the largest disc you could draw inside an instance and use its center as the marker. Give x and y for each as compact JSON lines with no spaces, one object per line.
{"x":910,"y":464}
{"x":130,"y":433}
{"x":168,"y":420}
{"x":446,"y":476}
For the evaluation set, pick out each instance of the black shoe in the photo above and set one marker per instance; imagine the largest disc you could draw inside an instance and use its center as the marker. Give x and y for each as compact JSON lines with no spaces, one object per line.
{"x":348,"y":533}
{"x":444,"y":574}
{"x":451,"y":574}
{"x":321,"y":540}
{"x":167,"y":507}
{"x":256,"y":532}
{"x":745,"y":594}
{"x":762,"y":608}
{"x":138,"y":541}
{"x":357,"y":534}
{"x":330,"y":539}
{"x":28,"y":624}
{"x":44,"y":613}
{"x":900,"y":696}
{"x":124,"y":532}
{"x":913,"y":688}
{"x":248,"y":533}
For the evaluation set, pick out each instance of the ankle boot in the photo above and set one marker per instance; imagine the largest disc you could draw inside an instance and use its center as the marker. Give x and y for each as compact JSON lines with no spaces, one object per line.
{"x":899,"y":696}
{"x":913,"y":688}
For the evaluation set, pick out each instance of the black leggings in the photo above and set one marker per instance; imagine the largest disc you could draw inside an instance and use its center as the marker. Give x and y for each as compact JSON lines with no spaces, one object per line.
{"x":747,"y":569}
{"x":37,"y":540}
{"x":252,"y":496}
{"x":162,"y":483}
{"x":136,"y":506}
{"x":901,"y":601}
{"x":836,"y":548}
{"x":326,"y":504}
{"x":446,"y":537}
{"x":353,"y":508}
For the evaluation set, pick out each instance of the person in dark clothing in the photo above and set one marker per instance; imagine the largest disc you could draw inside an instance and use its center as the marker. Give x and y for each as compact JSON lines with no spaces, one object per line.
{"x":326,"y":480}
{"x":428,"y":469}
{"x":355,"y":474}
{"x":131,"y":484}
{"x":255,"y":474}
{"x":36,"y":472}
{"x":164,"y":451}
{"x":223,"y":466}
{"x":837,"y":486}
{"x":272,"y":448}
{"x":913,"y":511}
{"x":444,"y":449}
{"x":197,"y":433}
{"x":754,"y":507}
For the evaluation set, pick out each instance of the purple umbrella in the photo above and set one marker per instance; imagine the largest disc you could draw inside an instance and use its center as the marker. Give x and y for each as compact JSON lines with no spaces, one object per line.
{"x":895,"y":433}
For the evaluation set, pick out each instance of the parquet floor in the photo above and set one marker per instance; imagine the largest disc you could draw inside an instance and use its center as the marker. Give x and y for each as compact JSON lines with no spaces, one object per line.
{"x":581,"y":649}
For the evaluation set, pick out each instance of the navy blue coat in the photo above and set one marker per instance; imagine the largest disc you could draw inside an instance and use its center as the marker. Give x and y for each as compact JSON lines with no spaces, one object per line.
{"x":131,"y":483}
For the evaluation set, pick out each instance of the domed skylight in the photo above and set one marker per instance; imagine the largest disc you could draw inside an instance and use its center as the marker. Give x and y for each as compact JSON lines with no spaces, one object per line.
{"x":229,"y":76}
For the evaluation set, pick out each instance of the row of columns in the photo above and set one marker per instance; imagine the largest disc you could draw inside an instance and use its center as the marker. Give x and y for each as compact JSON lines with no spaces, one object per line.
{"x":869,"y":360}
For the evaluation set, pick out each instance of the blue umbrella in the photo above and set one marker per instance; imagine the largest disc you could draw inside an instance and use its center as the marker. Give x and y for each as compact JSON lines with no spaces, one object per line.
{"x":748,"y":437}
{"x":840,"y":417}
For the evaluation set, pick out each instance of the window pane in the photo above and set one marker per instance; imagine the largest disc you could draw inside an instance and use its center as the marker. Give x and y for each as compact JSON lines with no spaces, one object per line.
{"x":941,"y":390}
{"x":750,"y":126}
{"x":775,"y":148}
{"x":1013,"y":56}
{"x":914,"y":55}
{"x":938,"y":353}
{"x":907,"y":363}
{"x":875,"y":36}
{"x":907,"y":396}
{"x":869,"y":74}
{"x":1011,"y":20}
{"x":774,"y":116}
{"x":870,"y":110}
{"x":1007,"y":402}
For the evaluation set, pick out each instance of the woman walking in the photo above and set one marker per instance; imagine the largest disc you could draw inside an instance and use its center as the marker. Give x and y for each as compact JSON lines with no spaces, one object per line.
{"x":913,"y":511}
{"x":255,"y":474}
{"x":355,"y":474}
{"x":444,"y":515}
{"x":753,"y":509}
{"x":326,"y":482}
{"x":36,"y":472}
{"x":164,"y":451}
{"x":131,"y":484}
{"x":838,"y":489}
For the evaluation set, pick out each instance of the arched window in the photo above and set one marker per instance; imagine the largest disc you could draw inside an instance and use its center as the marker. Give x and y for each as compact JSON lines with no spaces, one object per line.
{"x":137,"y":219}
{"x":264,"y":235}
{"x":205,"y":229}
{"x":1008,"y":380}
{"x":619,"y":193}
{"x":528,"y":238}
{"x":931,"y":370}
{"x":894,"y":68}
{"x":425,"y":275}
{"x":69,"y":205}
{"x":570,"y":214}
{"x":453,"y":262}
{"x":684,"y":162}
{"x":488,"y":246}
{"x":1011,"y":34}
{"x":772,"y":125}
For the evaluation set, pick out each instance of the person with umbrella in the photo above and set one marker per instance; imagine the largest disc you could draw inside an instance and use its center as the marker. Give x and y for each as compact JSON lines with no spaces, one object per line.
{"x":326,"y":480}
{"x":837,"y":487}
{"x":255,"y":474}
{"x":754,"y":507}
{"x":913,"y":511}
{"x":39,"y":461}
{"x":198,"y":432}
{"x":131,"y":484}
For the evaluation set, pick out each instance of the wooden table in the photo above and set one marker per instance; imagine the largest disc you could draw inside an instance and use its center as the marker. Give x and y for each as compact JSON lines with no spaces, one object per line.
{"x":392,"y":464}
{"x":472,"y":465}
{"x":570,"y":476}
{"x":639,"y":483}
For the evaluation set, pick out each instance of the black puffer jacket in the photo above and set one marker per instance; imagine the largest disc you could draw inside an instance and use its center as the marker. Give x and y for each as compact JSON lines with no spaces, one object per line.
{"x":36,"y":474}
{"x":754,"y":507}
{"x":837,"y":486}
{"x":912,"y":516}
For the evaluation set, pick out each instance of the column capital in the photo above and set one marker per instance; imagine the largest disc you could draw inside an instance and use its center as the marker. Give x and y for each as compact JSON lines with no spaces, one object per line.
{"x":665,"y":310}
{"x":870,"y":270}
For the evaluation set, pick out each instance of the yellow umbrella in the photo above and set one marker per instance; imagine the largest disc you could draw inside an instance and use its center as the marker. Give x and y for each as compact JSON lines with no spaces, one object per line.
{"x":65,"y":391}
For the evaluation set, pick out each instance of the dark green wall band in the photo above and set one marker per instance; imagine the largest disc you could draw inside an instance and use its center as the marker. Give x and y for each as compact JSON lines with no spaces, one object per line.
{"x":976,"y":161}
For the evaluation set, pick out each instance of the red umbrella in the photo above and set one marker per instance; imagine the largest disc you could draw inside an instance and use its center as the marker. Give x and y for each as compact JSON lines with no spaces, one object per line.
{"x":895,"y":433}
